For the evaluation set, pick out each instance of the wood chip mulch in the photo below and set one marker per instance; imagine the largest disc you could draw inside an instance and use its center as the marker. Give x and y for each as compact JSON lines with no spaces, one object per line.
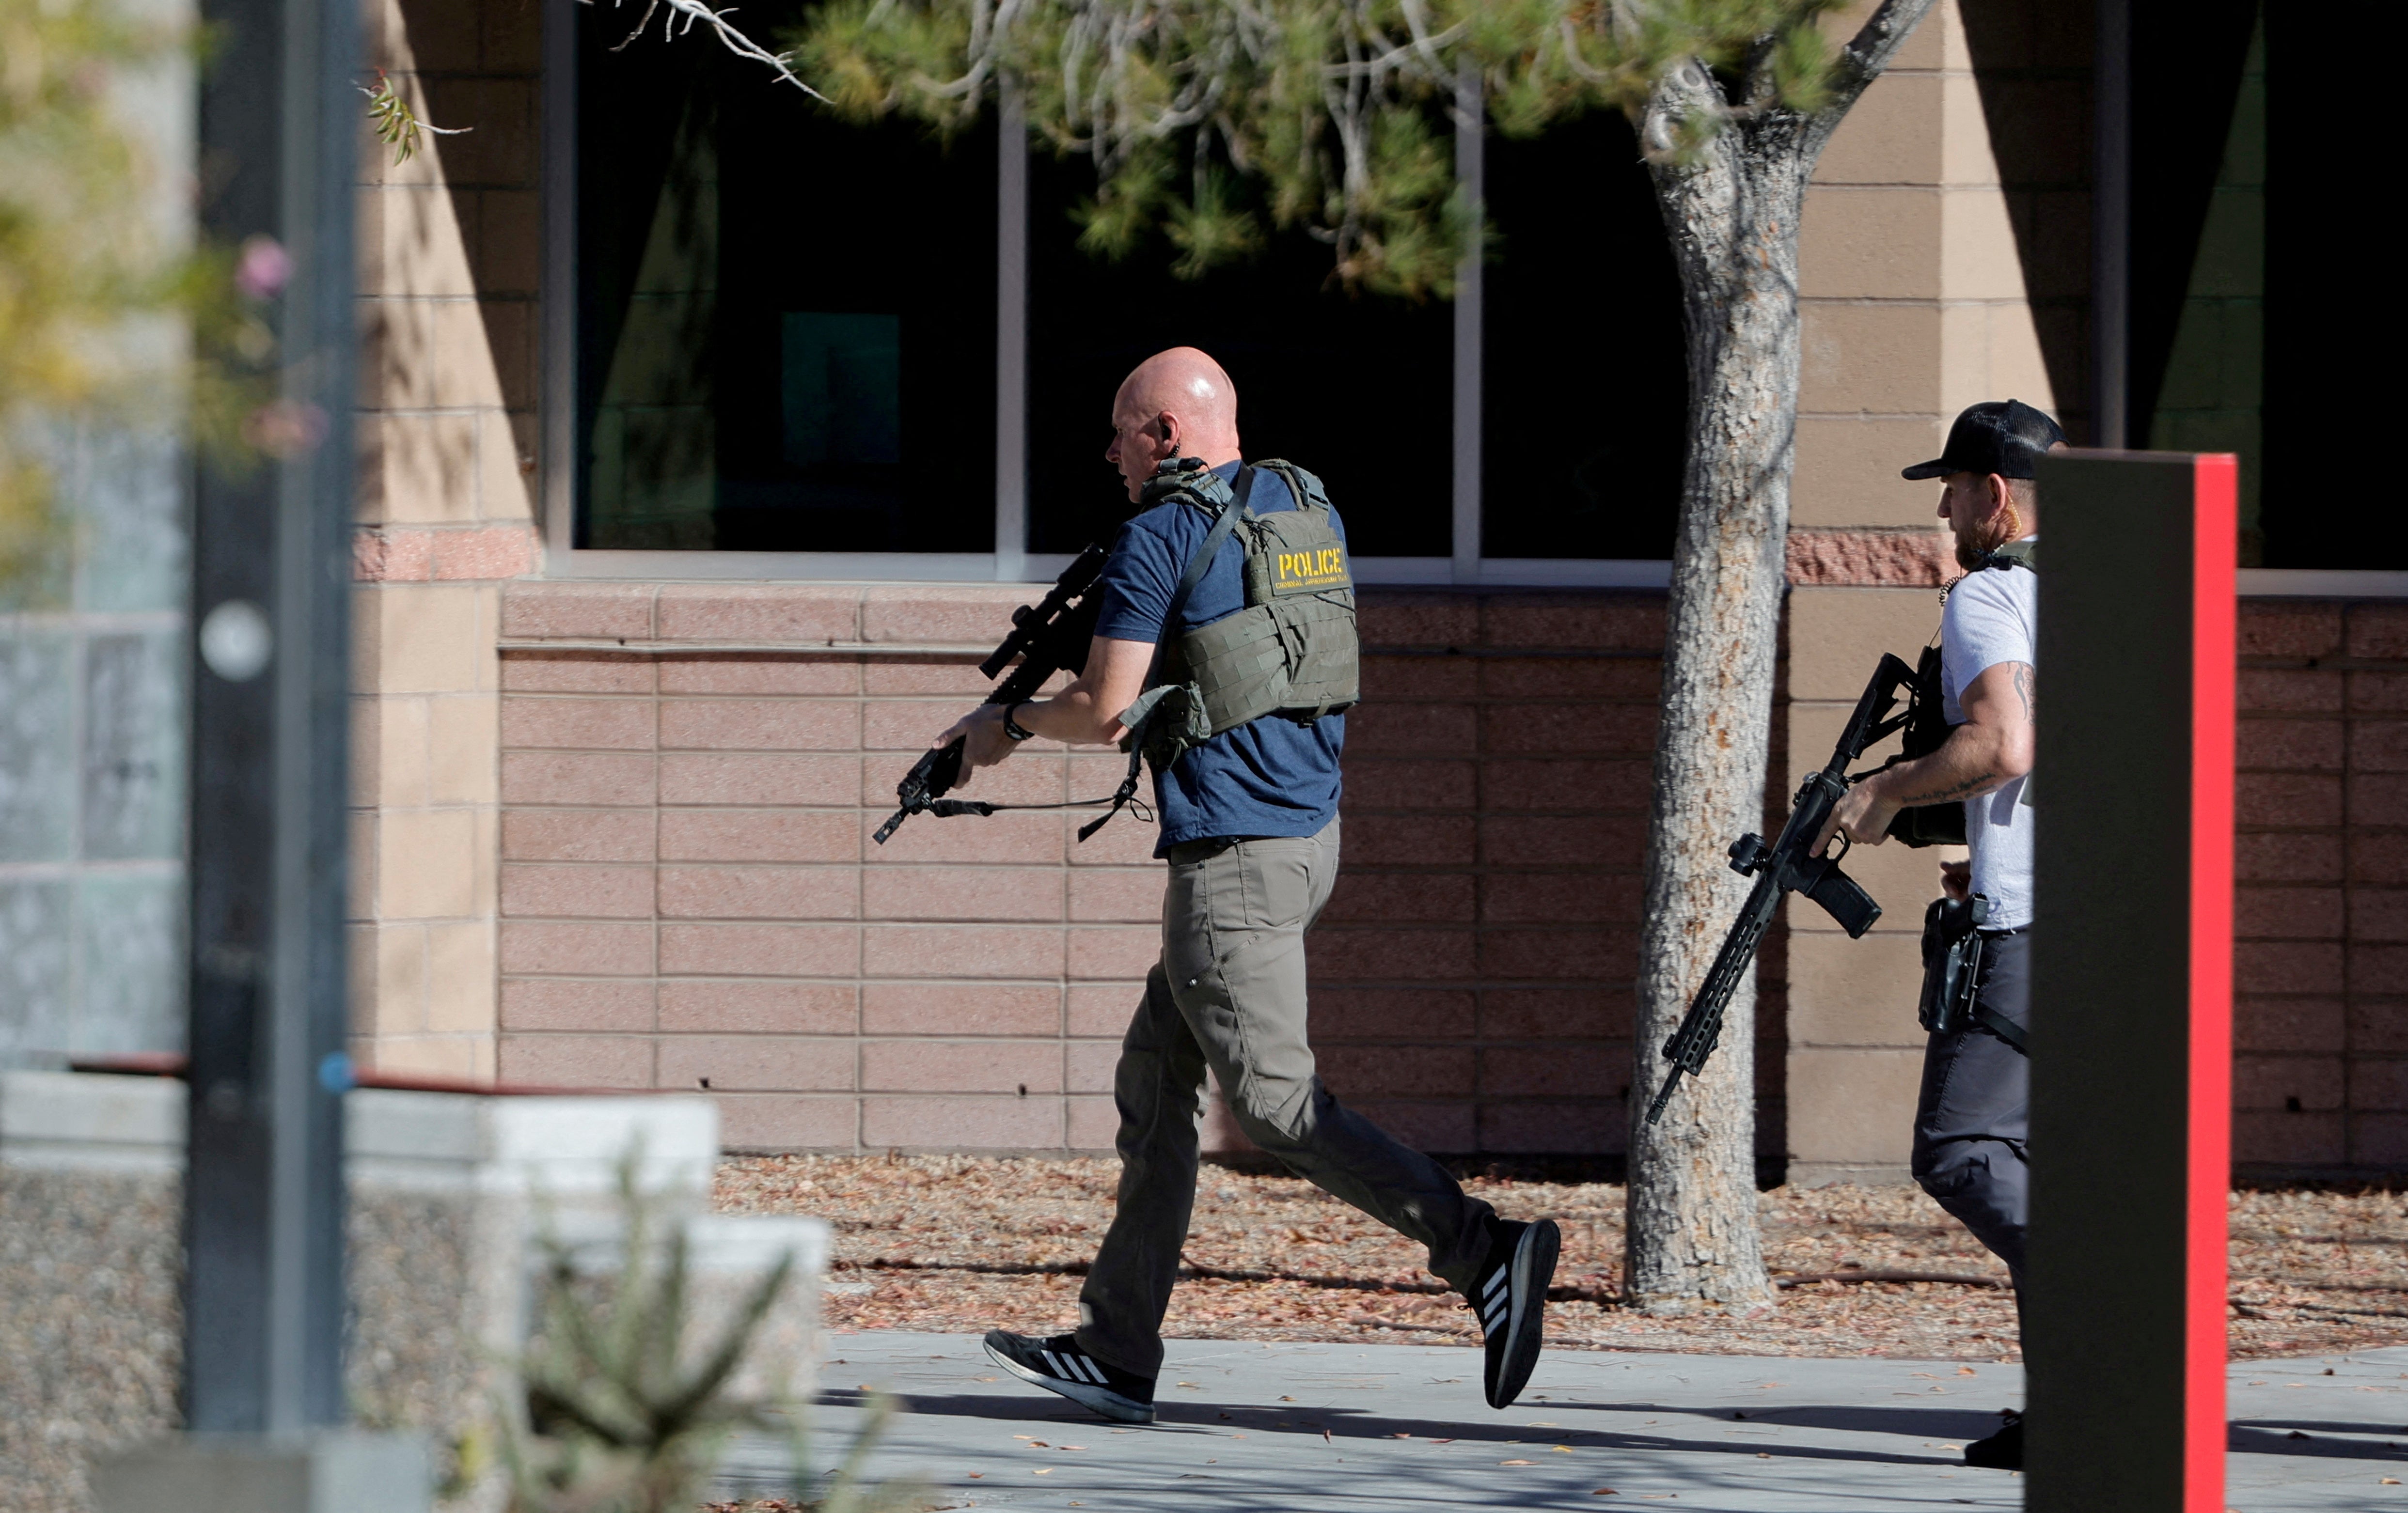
{"x":962,"y":1245}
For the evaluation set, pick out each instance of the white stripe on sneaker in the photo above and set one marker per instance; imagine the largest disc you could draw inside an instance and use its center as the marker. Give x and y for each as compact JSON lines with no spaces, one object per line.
{"x":1094,"y":1373}
{"x":1496,"y":1280}
{"x":1054,"y":1363}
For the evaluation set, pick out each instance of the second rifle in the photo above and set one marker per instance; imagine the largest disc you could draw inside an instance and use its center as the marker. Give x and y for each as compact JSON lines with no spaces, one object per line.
{"x":1787,"y":865}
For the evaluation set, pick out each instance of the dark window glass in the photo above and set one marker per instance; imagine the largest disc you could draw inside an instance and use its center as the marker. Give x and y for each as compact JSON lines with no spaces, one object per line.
{"x":786,"y":324}
{"x":2199,"y":251}
{"x":1359,"y":390}
{"x":1583,"y":375}
{"x":2331,"y":335}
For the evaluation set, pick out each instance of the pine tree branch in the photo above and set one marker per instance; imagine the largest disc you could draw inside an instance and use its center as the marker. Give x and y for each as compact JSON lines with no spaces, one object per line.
{"x":1759,"y":91}
{"x":1863,"y":60}
{"x":695,"y":14}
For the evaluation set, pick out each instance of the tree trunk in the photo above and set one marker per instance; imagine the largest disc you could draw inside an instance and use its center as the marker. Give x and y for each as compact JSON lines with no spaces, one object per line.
{"x":1732,"y":211}
{"x":1733,"y":219}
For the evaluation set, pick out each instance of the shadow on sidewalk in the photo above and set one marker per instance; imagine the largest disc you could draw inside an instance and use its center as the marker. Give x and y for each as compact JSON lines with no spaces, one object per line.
{"x":2283,"y":1436}
{"x":1192,"y":1416}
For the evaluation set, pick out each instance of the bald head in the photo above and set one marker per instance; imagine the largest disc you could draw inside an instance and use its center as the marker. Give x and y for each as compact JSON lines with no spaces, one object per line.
{"x":1176,"y":403}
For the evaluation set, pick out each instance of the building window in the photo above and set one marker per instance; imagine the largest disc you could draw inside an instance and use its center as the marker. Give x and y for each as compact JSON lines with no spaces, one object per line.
{"x":804,"y":349}
{"x":1358,"y":389}
{"x":786,"y":325}
{"x":1583,"y":407}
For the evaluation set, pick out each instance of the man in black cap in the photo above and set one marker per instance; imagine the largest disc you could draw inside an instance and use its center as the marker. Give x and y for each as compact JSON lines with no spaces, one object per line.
{"x":1971,"y":1122}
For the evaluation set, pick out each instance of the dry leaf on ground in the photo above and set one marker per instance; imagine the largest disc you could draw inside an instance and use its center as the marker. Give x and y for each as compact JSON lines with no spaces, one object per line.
{"x":965,"y":1243}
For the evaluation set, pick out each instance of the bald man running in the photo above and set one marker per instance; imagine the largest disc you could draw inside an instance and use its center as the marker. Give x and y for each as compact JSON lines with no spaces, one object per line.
{"x":1250,"y":828}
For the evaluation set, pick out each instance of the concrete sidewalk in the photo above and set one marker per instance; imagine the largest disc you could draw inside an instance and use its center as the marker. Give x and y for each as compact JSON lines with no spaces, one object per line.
{"x":1256,"y":1428}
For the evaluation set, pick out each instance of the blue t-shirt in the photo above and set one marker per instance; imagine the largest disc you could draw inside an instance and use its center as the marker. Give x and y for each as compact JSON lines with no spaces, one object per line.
{"x":1269,"y":777}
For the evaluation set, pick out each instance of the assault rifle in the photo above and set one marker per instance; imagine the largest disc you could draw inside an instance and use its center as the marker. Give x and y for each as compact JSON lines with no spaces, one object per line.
{"x":1048,"y":636}
{"x":1788,"y":865}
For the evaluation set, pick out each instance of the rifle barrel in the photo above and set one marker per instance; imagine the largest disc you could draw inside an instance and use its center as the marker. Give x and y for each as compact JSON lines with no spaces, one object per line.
{"x":1701,"y":1028}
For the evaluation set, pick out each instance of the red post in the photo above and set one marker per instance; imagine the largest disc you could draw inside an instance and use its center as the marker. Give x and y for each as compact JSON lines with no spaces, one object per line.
{"x":2132,"y":985}
{"x":2214,"y":538}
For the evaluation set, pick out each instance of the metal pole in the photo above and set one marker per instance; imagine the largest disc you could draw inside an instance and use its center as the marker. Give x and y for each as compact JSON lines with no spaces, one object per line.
{"x":271,"y":571}
{"x":1011,"y":337}
{"x":1471,"y":174}
{"x":558,"y":416}
{"x":2110,"y":223}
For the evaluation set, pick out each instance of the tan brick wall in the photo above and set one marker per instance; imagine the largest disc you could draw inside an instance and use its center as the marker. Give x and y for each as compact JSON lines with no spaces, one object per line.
{"x":688,"y":891}
{"x":1854,"y":1048}
{"x":1912,"y":293}
{"x":1914,"y":304}
{"x":449,"y":252}
{"x":448,"y":258}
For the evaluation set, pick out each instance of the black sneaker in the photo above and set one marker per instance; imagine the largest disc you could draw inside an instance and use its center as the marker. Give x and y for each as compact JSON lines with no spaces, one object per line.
{"x":1511,"y":1297}
{"x":1058,"y":1365}
{"x":2001,"y":1452}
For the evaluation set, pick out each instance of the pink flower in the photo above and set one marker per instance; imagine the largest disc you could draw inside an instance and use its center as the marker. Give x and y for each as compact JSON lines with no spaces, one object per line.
{"x":263,"y":268}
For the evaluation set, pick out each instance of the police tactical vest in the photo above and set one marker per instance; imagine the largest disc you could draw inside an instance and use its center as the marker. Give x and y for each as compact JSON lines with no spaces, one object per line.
{"x":1292,"y":652}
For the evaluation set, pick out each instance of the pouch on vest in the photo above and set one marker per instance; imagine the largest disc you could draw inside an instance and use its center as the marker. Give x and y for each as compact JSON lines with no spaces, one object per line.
{"x":1927,"y":730}
{"x":1292,"y":652}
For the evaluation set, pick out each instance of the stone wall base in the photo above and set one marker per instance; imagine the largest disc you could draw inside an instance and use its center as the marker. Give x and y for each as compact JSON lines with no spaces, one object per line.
{"x":337,"y":1471}
{"x":450,"y":1194}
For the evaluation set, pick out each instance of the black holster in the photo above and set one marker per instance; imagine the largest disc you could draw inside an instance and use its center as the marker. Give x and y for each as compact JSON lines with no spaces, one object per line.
{"x":1954,"y":951}
{"x":1951,"y":963}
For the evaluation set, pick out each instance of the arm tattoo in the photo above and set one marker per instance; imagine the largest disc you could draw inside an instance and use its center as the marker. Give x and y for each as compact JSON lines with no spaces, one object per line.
{"x":2024,"y":686}
{"x":1967,"y":788}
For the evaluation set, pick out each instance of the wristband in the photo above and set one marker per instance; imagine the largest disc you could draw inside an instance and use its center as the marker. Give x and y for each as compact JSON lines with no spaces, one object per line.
{"x":1011,"y":728}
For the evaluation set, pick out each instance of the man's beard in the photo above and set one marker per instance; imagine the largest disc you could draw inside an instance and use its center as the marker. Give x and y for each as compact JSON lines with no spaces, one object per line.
{"x":1970,"y":551}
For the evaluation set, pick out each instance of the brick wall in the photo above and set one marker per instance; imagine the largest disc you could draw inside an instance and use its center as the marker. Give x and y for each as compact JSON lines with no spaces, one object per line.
{"x":1912,"y":304}
{"x":1854,"y":1055}
{"x":1473,"y":975}
{"x":690,"y":896}
{"x":688,"y":890}
{"x":448,"y":258}
{"x":2321,"y":974}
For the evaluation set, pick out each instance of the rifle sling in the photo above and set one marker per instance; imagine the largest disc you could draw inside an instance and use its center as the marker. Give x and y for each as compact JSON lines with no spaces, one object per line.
{"x":2004,"y":1028}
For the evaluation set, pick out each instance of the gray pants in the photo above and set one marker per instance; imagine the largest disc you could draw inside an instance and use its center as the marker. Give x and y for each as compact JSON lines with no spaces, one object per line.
{"x":1229,"y":993}
{"x":1975,"y":1114}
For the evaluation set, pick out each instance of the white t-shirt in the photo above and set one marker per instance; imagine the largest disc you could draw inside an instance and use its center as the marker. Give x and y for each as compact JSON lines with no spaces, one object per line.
{"x":1990,"y":618}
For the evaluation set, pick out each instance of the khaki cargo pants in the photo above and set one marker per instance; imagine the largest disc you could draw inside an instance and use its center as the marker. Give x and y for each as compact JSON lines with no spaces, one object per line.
{"x":1229,"y":993}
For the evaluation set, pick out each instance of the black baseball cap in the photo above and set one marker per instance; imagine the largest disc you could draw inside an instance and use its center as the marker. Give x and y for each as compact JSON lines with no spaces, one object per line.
{"x":2004,"y":436}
